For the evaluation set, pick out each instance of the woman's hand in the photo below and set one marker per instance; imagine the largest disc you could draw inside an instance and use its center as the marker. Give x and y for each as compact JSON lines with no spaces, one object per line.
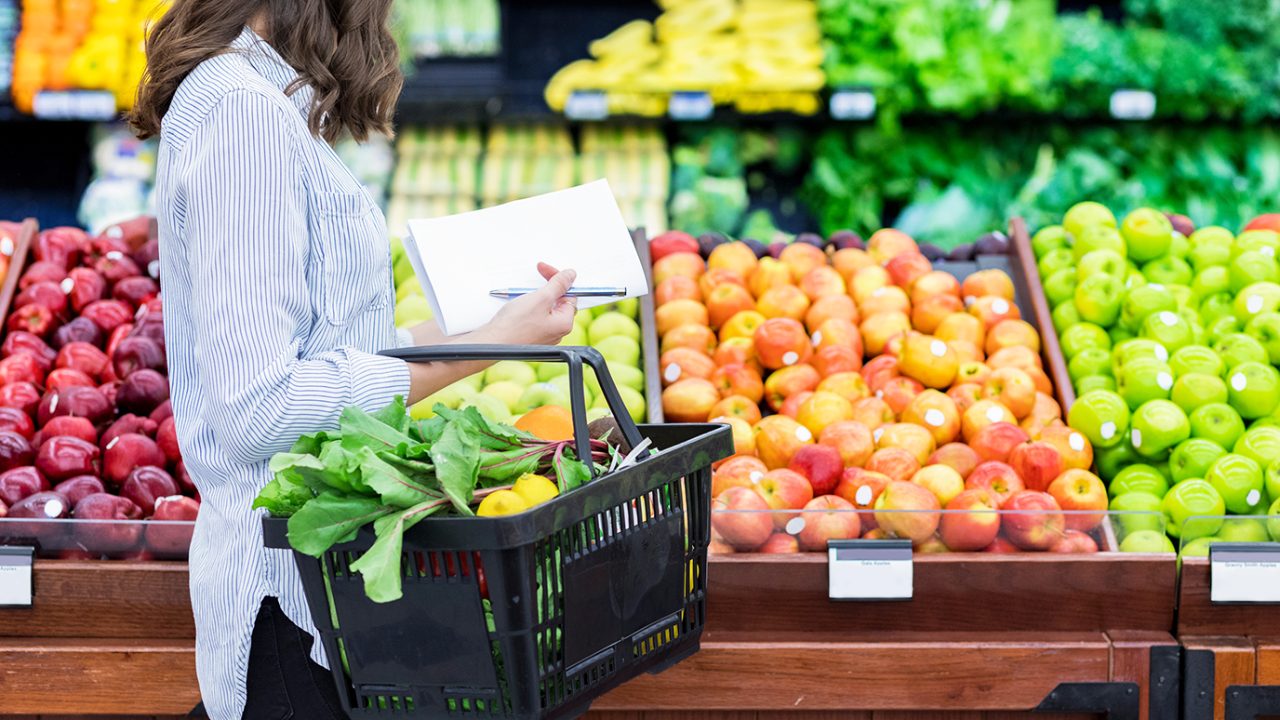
{"x":543,"y":317}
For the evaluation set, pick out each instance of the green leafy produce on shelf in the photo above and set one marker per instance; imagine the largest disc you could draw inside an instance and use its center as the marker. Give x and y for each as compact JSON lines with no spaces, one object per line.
{"x":387,"y":469}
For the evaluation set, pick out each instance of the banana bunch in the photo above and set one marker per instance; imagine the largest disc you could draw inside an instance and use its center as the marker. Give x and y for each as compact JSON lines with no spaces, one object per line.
{"x":758,"y":55}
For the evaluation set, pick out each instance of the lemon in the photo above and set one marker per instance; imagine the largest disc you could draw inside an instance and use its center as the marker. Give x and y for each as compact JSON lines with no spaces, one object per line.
{"x":535,"y":489}
{"x":502,"y":502}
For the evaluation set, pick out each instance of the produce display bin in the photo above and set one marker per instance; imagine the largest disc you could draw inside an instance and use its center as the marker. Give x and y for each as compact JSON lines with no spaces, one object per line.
{"x":984,"y":635}
{"x":648,"y":335}
{"x":590,"y":590}
{"x":1232,"y":651}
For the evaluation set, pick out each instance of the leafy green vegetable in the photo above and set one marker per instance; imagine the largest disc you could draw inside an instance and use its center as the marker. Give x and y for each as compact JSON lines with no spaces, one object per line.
{"x":383,"y":468}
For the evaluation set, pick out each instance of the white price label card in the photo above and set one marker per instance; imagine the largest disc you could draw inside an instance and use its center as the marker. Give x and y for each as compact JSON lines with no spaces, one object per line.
{"x":690,"y":106}
{"x":587,"y":105}
{"x":1133,"y":104}
{"x":74,"y":105}
{"x":869,"y":570}
{"x":1244,"y":573}
{"x":15,"y":576}
{"x":853,"y":105}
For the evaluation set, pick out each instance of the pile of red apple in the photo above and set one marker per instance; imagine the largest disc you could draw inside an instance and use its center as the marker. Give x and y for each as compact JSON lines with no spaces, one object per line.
{"x":871,"y":396}
{"x":86,"y":430}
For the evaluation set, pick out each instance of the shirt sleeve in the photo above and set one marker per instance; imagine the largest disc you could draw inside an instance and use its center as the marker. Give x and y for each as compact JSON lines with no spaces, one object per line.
{"x":247,"y":245}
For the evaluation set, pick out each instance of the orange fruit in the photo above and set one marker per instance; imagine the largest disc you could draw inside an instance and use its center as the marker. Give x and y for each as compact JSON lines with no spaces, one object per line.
{"x":549,"y":422}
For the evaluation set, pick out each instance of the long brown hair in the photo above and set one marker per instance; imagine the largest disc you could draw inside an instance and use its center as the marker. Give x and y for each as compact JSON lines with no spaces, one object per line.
{"x":341,"y":48}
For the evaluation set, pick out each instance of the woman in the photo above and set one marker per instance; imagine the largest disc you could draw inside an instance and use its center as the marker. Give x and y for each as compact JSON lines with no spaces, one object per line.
{"x":278,"y":294}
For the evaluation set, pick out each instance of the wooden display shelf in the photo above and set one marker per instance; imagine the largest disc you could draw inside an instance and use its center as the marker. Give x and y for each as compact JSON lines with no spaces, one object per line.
{"x":121,"y":631}
{"x":1232,"y":652}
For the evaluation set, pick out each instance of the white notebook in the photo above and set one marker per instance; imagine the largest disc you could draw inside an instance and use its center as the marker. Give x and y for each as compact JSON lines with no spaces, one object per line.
{"x":459,"y":259}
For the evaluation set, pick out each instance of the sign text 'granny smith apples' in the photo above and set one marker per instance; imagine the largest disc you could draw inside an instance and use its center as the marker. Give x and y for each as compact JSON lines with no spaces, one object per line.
{"x":1245,"y":573}
{"x":1171,"y":335}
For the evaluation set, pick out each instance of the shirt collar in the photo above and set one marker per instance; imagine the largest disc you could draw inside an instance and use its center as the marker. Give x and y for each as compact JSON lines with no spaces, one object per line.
{"x":267,"y":62}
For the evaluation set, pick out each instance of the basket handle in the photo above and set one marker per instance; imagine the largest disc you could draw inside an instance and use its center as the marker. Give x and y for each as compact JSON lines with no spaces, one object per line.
{"x":575,"y":356}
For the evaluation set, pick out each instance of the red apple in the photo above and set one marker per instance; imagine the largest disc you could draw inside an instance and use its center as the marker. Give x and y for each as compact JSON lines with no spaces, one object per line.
{"x":741,"y":518}
{"x":1032,"y":520}
{"x":907,"y":510}
{"x":1083,"y":496}
{"x":784,"y":490}
{"x":972,"y":520}
{"x":821,"y":465}
{"x":1037,"y":463}
{"x":780,"y":544}
{"x":957,"y":456}
{"x":861,"y":488}
{"x":997,"y":478}
{"x":828,"y":518}
{"x":997,"y":440}
{"x":1074,"y":541}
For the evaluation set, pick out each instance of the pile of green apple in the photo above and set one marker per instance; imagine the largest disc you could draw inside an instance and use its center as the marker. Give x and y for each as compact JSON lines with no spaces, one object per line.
{"x":510,"y":388}
{"x":1171,"y":336}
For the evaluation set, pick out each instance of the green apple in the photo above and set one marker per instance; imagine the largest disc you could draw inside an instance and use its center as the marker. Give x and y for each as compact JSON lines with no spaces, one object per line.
{"x":612,"y":324}
{"x":1255,"y":299}
{"x":596,"y":413}
{"x":1239,"y":348}
{"x":1147,"y":234}
{"x":1057,"y":259}
{"x":632,"y":377}
{"x":1146,"y":541}
{"x":1192,"y":319}
{"x":1111,"y":460}
{"x":1243,"y":530}
{"x":540,"y":394}
{"x":407,"y":288}
{"x":1192,"y":458}
{"x":412,"y":310}
{"x":1064,"y":316}
{"x":1216,"y":307}
{"x":397,"y":248}
{"x":1169,"y":329}
{"x":1119,"y":334}
{"x":1101,"y":262}
{"x":1273,"y":525}
{"x":1049,"y":238}
{"x":1217,"y":422}
{"x":1209,"y":255}
{"x":1060,"y":287}
{"x":633,"y":399}
{"x":1194,"y":498}
{"x":1254,"y":388}
{"x":492,"y":408}
{"x":1157,"y":426}
{"x":1265,"y":328}
{"x":1182,"y":296}
{"x":1252,"y":267}
{"x":1143,"y":380}
{"x":1094,"y":382}
{"x":506,"y":391}
{"x":1090,"y":361}
{"x":1143,"y":301}
{"x":515,"y":371}
{"x":1098,"y":237}
{"x":1196,"y":359}
{"x":627,"y":306}
{"x":1198,"y":547}
{"x":583,"y":318}
{"x":1212,"y":235}
{"x":475,"y":382}
{"x":1221,"y":328}
{"x":1098,"y":298}
{"x":1260,"y":444}
{"x":1192,"y":390}
{"x":451,"y":396}
{"x":1081,"y":336}
{"x":620,"y":349}
{"x":1179,"y":246}
{"x":1238,"y":480}
{"x":549,"y":370}
{"x":576,"y":337}
{"x":1134,"y":279}
{"x":1102,"y":416}
{"x":1085,"y":214}
{"x":1266,"y":242}
{"x":1136,"y":511}
{"x":1168,"y":270}
{"x":1137,"y":349}
{"x":402,"y":270}
{"x":1210,"y":281}
{"x":562,"y":384}
{"x":1272,"y":483}
{"x":1139,"y":478}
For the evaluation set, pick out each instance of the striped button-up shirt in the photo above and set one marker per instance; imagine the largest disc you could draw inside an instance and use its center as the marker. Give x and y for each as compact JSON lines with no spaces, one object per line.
{"x":278,"y":292}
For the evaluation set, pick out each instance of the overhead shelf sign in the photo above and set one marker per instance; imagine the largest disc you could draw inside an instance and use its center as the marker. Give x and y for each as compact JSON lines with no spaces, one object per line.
{"x":587,"y":105}
{"x":95,"y":105}
{"x":686,"y":105}
{"x":853,"y":104}
{"x":1133,"y":105}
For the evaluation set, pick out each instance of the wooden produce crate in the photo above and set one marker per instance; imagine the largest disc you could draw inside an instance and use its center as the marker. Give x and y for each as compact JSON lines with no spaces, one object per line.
{"x":985,"y":636}
{"x":1232,"y":652}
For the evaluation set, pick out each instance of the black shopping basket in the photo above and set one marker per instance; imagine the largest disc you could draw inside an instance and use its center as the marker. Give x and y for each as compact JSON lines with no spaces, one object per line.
{"x":537,"y":614}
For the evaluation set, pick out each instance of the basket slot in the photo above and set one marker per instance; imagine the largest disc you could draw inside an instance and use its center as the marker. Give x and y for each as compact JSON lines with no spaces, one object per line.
{"x":389,"y":703}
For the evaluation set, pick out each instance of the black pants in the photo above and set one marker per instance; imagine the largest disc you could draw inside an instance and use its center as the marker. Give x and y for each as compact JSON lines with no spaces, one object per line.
{"x":284,"y":684}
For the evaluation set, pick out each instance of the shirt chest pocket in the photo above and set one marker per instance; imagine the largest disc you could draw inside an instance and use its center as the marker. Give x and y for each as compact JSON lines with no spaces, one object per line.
{"x":352,"y":256}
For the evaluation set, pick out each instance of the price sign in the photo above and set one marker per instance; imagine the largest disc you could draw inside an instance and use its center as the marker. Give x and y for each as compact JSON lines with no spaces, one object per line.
{"x":869,"y":570}
{"x":587,"y":105}
{"x":1244,"y":573}
{"x":1133,"y":105}
{"x":15,"y":576}
{"x":853,"y":105}
{"x":74,"y":105}
{"x":690,"y":106}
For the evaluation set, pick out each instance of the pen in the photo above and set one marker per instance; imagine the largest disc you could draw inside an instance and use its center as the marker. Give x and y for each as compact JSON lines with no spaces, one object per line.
{"x":508,"y":293}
